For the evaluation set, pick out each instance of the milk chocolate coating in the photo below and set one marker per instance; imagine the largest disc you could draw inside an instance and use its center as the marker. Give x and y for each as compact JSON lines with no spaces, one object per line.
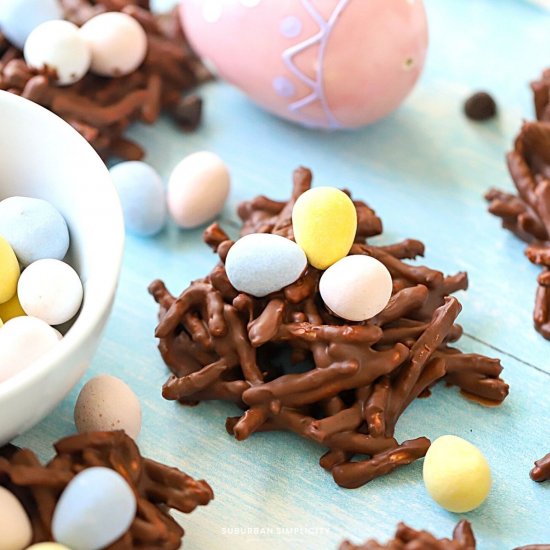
{"x":541,"y":471}
{"x":355,"y":379}
{"x":101,"y":109}
{"x":407,"y":538}
{"x":157,"y":487}
{"x":527,"y":214}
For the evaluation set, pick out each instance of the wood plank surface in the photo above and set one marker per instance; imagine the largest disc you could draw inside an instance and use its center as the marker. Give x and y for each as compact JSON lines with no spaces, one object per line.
{"x":424,"y":170}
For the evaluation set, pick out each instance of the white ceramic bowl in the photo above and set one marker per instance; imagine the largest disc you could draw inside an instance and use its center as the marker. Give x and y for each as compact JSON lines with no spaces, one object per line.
{"x":41,"y":156}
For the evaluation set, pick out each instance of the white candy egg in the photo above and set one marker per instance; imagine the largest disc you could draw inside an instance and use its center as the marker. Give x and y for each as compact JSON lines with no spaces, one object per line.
{"x":356,"y":288}
{"x":23,"y":340}
{"x":50,"y":290}
{"x":197,"y":189}
{"x":15,"y":526}
{"x":117,"y":41}
{"x":60,"y":46}
{"x":106,"y":403}
{"x":262,"y":263}
{"x":94,"y":510}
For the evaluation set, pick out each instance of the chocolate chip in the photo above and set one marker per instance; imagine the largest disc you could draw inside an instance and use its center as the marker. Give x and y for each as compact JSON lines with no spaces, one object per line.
{"x":480,"y":106}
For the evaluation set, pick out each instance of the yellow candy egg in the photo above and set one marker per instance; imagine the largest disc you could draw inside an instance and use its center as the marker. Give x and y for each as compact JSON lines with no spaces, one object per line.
{"x":10,"y":309}
{"x":324,"y":221}
{"x":456,"y":474}
{"x":9,"y":275}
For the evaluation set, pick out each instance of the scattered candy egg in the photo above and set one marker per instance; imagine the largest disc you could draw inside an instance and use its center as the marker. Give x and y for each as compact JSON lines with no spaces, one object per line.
{"x":356,"y":288}
{"x":142,"y":197}
{"x":58,"y":45}
{"x":117,"y":41}
{"x":94,"y":510}
{"x":50,"y":290}
{"x":15,"y":526}
{"x":262,"y":263}
{"x":197,"y":189}
{"x":10,"y":309}
{"x":22,"y":341}
{"x":34,"y":229}
{"x":329,"y":64}
{"x":18,"y":18}
{"x":456,"y":474}
{"x":106,"y":403}
{"x":47,"y":546}
{"x":9,"y":275}
{"x":324,"y":222}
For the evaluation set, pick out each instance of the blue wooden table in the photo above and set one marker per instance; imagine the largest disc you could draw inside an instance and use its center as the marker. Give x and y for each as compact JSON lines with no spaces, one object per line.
{"x":424,"y":170}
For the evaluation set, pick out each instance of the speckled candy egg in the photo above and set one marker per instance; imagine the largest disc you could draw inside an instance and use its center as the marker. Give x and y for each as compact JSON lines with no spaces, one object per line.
{"x":106,"y":403}
{"x":18,"y":18}
{"x":15,"y":526}
{"x":322,"y":63}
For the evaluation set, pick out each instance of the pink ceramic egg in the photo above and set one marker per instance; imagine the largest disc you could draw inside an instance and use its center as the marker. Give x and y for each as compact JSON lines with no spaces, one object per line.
{"x":323,"y":63}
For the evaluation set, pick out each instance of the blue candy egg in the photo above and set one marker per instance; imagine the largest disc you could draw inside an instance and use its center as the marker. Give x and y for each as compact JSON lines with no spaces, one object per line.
{"x":34,"y":229}
{"x":18,"y":18}
{"x":142,"y":197}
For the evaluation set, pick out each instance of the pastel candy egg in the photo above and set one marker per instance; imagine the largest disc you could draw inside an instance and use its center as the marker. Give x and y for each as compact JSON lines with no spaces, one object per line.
{"x":34,"y":229}
{"x":23,"y":340}
{"x":117,"y":41}
{"x":324,"y":222}
{"x":59,"y":46}
{"x":94,"y":510}
{"x":197,"y":189}
{"x":19,"y":17}
{"x":15,"y":526}
{"x":10,"y":309}
{"x":262,"y":263}
{"x":456,"y":474}
{"x":106,"y":403}
{"x":9,"y":274}
{"x":50,"y":290}
{"x":47,"y":546}
{"x":142,"y":197}
{"x":321,"y":63}
{"x":356,"y":288}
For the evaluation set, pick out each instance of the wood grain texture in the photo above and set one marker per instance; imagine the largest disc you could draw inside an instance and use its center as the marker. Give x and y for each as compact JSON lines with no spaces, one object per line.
{"x":424,"y":170}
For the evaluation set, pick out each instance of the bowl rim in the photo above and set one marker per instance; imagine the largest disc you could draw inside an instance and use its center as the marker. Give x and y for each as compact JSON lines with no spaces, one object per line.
{"x":79,"y":332}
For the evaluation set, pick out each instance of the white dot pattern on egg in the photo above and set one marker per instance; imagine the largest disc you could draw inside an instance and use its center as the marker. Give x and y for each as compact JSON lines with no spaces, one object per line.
{"x":291,"y":26}
{"x":262,"y":263}
{"x":356,"y":288}
{"x":284,"y":86}
{"x":94,"y":510}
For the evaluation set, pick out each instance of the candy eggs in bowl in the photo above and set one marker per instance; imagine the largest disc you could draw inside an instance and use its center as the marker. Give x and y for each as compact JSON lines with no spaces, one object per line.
{"x":44,"y":158}
{"x":321,"y":63}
